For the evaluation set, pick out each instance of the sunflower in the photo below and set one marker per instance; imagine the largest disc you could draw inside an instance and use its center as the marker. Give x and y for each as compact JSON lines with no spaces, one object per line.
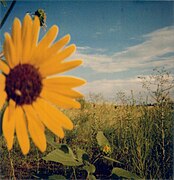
{"x":33,"y":98}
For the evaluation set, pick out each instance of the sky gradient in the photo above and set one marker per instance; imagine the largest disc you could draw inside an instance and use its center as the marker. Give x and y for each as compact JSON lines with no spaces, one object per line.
{"x":117,"y":40}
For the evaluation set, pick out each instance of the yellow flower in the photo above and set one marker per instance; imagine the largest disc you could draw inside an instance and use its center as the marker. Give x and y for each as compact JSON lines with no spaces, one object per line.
{"x":106,"y":149}
{"x":32,"y":97}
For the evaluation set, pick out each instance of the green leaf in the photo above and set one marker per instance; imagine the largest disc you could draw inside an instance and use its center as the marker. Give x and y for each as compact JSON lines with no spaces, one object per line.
{"x":60,"y":156}
{"x":56,"y":177}
{"x":82,"y":155}
{"x":124,"y":173}
{"x":50,"y":140}
{"x":90,"y":168}
{"x":102,"y":140}
{"x":91,"y":177}
{"x":111,"y":159}
{"x":67,"y":149}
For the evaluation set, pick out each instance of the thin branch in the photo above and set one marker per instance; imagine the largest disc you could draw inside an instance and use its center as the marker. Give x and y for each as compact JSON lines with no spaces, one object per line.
{"x":170,"y":87}
{"x":7,"y":13}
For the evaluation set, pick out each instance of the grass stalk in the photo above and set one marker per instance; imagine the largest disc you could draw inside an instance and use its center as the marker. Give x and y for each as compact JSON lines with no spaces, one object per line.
{"x":12,"y":166}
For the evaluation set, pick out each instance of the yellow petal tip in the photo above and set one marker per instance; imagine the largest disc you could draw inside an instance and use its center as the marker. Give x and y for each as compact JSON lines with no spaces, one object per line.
{"x":6,"y":35}
{"x":73,"y":46}
{"x":9,"y":146}
{"x":68,"y":36}
{"x":55,"y":28}
{"x":16,"y":20}
{"x":83,"y":82}
{"x":27,"y":16}
{"x":25,"y":149}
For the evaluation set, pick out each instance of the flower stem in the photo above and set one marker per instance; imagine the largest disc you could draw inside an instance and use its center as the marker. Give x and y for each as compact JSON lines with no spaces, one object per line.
{"x":74,"y":172}
{"x":12,"y":166}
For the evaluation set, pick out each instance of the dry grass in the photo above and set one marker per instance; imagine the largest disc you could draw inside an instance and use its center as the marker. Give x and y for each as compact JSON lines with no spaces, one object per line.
{"x":134,"y":132}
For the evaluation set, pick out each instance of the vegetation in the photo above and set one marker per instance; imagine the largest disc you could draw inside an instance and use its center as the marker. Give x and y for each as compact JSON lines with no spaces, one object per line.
{"x":109,"y":141}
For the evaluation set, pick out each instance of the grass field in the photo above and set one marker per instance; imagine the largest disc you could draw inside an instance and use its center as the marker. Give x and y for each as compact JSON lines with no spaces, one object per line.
{"x":140,"y":137}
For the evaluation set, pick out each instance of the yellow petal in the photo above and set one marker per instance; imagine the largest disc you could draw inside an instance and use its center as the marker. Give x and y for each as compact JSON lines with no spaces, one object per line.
{"x":2,"y":82}
{"x":3,"y":97}
{"x":17,"y":41}
{"x":49,"y":37}
{"x":35,"y":36}
{"x":63,"y":91}
{"x":59,"y":100}
{"x":9,"y":51}
{"x":26,"y":39}
{"x":58,"y":45}
{"x":67,"y":81}
{"x":65,"y":53}
{"x":35,"y":127}
{"x":4,"y":67}
{"x":21,"y":130}
{"x":53,"y":124}
{"x":35,"y":31}
{"x":59,"y":67}
{"x":51,"y":52}
{"x":8,"y":125}
{"x":56,"y":115}
{"x":47,"y":40}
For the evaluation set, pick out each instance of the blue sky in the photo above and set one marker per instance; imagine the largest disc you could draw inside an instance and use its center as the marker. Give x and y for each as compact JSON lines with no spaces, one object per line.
{"x":117,"y":40}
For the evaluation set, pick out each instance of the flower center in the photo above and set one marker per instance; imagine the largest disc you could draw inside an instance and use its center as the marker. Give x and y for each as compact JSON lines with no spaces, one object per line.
{"x":23,"y":84}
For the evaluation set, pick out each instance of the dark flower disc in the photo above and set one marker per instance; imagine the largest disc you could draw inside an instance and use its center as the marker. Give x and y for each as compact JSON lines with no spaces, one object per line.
{"x":23,"y":84}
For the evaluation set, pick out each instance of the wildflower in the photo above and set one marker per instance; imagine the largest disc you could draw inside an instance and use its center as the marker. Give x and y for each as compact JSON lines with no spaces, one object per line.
{"x":32,"y":96}
{"x":106,"y":149}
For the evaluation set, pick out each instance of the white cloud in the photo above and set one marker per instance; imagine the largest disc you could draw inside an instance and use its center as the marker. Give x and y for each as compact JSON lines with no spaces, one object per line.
{"x":153,"y":52}
{"x":89,"y":50}
{"x":156,"y":44}
{"x":109,"y":88}
{"x":115,"y":28}
{"x":97,"y":34}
